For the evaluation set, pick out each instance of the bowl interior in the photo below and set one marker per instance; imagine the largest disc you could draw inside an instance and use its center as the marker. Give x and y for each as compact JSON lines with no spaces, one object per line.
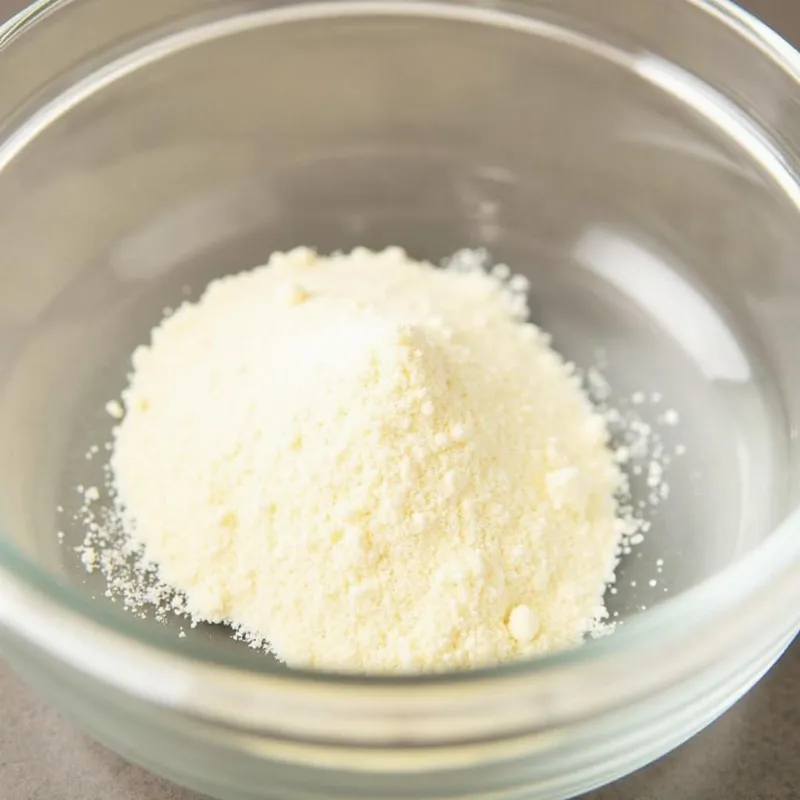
{"x":656,"y":242}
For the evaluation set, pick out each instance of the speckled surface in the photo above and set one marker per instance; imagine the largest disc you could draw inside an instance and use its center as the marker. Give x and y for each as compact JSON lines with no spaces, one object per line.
{"x":749,"y":754}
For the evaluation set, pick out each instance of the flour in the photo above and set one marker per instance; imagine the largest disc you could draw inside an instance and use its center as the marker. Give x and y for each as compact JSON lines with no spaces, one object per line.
{"x":371,"y":464}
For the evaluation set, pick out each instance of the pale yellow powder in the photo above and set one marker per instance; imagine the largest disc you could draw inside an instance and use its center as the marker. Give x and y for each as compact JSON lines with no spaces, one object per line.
{"x":372,"y":463}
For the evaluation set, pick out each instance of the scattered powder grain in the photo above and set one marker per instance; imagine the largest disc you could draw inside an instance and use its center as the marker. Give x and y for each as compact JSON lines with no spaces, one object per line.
{"x":371,"y":463}
{"x":114,"y":409}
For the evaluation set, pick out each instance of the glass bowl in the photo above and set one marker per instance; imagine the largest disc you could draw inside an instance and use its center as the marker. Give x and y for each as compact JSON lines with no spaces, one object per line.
{"x":636,"y":159}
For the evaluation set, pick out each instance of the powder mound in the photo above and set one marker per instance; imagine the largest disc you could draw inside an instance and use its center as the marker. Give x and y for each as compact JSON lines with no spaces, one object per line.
{"x":371,"y":463}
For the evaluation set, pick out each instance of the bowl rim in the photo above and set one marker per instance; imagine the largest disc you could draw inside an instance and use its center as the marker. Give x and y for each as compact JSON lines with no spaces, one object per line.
{"x":89,"y":637}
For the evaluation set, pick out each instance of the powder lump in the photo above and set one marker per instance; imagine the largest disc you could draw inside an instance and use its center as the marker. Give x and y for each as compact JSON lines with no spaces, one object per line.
{"x":370,"y":463}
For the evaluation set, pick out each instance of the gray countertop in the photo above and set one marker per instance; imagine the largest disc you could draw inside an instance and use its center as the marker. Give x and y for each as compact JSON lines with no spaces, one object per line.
{"x":749,"y":754}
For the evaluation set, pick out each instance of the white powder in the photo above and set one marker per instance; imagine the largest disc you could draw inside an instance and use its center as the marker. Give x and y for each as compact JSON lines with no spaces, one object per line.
{"x":91,"y":495}
{"x":114,"y":409}
{"x":371,"y":463}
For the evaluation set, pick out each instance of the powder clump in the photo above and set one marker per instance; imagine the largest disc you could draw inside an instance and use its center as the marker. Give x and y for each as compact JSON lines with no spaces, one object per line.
{"x":370,"y":463}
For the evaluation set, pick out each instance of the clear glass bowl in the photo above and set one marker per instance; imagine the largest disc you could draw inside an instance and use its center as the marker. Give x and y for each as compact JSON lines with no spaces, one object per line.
{"x":637,"y":159}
